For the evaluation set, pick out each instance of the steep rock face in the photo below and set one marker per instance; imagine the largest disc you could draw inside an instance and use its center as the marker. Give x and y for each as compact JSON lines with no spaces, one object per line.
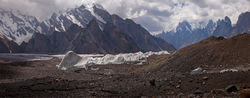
{"x":37,"y":44}
{"x":3,"y":47}
{"x":119,"y":40}
{"x":224,"y":28}
{"x":17,"y":26}
{"x":82,"y":16}
{"x":185,"y":35}
{"x":242,"y":25}
{"x":142,"y":37}
{"x":7,"y":46}
{"x":75,"y":30}
{"x":82,"y":40}
{"x":61,"y":22}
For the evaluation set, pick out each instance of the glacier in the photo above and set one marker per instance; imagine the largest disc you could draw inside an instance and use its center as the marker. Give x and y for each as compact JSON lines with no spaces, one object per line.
{"x":73,"y":61}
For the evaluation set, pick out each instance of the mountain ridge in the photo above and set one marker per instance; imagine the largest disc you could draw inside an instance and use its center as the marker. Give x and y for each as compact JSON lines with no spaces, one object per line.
{"x":223,"y":27}
{"x":100,"y":26}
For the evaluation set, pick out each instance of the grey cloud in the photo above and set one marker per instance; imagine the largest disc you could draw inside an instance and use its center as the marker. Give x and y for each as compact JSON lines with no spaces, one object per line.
{"x":200,"y":3}
{"x":148,"y":22}
{"x":39,"y":8}
{"x":157,"y":12}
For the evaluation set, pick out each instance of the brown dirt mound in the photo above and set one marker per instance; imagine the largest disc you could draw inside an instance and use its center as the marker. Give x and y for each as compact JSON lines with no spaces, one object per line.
{"x":212,"y":52}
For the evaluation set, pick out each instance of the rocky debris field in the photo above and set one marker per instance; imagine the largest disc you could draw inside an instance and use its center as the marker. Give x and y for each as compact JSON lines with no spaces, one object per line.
{"x":214,"y":67}
{"x":44,"y":79}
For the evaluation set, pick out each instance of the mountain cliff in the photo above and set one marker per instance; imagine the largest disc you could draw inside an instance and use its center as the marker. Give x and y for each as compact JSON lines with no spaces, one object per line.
{"x":185,"y":35}
{"x":90,"y":30}
{"x":8,"y":46}
{"x":82,"y":40}
{"x":242,"y":25}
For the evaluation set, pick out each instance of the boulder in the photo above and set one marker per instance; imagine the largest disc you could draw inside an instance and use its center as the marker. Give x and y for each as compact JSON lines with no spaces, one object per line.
{"x":231,"y":88}
{"x":197,"y":71}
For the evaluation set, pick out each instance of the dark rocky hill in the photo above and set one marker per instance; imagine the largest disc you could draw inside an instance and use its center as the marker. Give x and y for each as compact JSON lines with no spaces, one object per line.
{"x":212,"y":52}
{"x":82,"y":40}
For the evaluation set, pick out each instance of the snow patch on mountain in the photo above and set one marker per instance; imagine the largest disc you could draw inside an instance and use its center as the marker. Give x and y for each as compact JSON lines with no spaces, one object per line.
{"x":74,"y":20}
{"x":17,"y":26}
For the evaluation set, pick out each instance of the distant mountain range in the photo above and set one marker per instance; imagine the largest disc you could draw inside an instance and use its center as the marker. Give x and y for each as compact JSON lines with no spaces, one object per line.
{"x":185,"y":35}
{"x":83,"y":30}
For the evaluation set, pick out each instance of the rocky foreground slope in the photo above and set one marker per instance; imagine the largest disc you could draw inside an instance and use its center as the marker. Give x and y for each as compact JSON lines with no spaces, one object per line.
{"x":213,"y":52}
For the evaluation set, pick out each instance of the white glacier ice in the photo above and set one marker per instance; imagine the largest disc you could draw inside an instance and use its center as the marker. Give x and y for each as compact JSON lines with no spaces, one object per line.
{"x":228,"y":70}
{"x":73,"y":61}
{"x":196,"y":71}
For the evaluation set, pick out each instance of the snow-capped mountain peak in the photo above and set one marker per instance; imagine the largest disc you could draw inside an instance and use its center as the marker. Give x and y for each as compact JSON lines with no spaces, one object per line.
{"x":80,"y":16}
{"x":19,"y":27}
{"x":184,"y":26}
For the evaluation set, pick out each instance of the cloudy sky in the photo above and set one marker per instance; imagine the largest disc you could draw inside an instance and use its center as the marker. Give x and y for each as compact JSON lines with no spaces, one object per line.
{"x":155,"y":15}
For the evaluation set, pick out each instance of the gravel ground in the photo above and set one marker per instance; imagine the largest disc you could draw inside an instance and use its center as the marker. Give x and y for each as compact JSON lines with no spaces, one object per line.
{"x":43,"y":79}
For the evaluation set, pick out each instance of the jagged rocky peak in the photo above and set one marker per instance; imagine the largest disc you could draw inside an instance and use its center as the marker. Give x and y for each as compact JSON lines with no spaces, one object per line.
{"x":224,"y":27}
{"x":20,"y":27}
{"x":100,"y":11}
{"x":183,"y":26}
{"x":82,"y":7}
{"x":81,"y":16}
{"x":91,"y":25}
{"x":8,"y":46}
{"x":17,"y":26}
{"x":227,"y":20}
{"x":211,"y":24}
{"x":243,"y":24}
{"x":54,"y":16}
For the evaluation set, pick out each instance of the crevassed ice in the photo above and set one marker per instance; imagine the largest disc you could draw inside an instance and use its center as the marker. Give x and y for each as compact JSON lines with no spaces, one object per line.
{"x":73,"y":61}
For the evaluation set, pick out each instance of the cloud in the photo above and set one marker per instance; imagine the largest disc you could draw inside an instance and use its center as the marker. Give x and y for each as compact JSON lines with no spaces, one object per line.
{"x":155,"y":15}
{"x":166,"y":14}
{"x":39,"y":8}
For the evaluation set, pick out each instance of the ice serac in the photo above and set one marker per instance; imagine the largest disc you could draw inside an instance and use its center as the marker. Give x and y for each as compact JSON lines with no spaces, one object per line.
{"x":72,"y":61}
